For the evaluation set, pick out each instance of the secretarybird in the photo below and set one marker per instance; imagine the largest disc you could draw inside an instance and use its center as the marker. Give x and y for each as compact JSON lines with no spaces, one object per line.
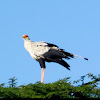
{"x":43,"y":51}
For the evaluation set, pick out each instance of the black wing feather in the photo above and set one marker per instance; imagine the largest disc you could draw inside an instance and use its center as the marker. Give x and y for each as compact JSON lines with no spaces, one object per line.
{"x":51,"y":45}
{"x":63,"y":63}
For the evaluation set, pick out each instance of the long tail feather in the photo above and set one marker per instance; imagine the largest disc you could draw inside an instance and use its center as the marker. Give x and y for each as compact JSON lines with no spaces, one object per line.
{"x":69,"y":55}
{"x":80,"y":57}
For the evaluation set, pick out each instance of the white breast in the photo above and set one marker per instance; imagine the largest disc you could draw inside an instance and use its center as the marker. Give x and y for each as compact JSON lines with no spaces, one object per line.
{"x":36,"y":50}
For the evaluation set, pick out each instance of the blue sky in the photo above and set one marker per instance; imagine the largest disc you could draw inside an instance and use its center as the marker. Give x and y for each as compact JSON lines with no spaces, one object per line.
{"x":73,"y":25}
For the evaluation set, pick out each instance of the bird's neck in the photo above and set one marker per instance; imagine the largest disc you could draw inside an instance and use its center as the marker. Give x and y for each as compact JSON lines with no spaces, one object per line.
{"x":27,"y":44}
{"x":27,"y":40}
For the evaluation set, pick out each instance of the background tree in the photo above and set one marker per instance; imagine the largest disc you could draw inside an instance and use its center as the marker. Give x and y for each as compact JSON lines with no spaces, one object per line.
{"x":12,"y":82}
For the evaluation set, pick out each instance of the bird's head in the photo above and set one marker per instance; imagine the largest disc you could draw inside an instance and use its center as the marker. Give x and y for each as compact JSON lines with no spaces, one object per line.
{"x":25,"y":37}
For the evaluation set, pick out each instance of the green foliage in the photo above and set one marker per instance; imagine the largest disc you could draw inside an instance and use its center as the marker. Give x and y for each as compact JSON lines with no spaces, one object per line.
{"x":60,"y":89}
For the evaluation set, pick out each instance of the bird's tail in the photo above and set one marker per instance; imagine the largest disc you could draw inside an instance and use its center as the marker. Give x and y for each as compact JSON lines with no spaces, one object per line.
{"x":69,"y":55}
{"x":80,"y":57}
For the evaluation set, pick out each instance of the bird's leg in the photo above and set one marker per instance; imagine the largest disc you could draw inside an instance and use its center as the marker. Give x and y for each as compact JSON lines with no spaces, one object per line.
{"x":42,"y":75}
{"x":42,"y":64}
